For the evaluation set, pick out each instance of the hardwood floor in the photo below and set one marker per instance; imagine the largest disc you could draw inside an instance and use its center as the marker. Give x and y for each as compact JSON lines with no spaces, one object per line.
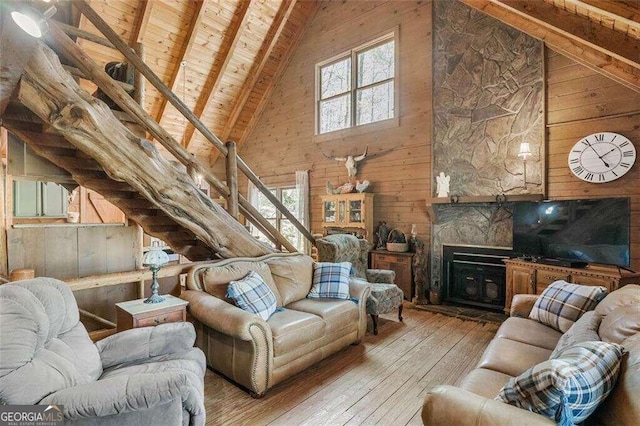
{"x":381,"y":381}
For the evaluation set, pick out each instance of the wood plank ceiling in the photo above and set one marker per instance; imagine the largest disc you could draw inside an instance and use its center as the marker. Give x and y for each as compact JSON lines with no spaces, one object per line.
{"x":233,"y":50}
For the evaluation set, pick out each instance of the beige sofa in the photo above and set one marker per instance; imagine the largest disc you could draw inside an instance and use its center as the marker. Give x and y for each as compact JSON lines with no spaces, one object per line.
{"x":521,"y":343}
{"x":258,"y":354}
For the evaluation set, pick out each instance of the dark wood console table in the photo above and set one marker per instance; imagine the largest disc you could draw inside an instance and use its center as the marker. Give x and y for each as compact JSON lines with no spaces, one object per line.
{"x":525,"y":277}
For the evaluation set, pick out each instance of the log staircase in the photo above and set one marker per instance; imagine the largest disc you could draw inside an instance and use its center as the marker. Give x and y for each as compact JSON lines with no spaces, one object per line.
{"x":64,"y":124}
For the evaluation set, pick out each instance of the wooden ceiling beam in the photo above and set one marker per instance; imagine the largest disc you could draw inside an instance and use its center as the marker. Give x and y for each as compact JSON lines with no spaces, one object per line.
{"x":271,"y":85}
{"x":215,"y":76}
{"x":598,"y":59}
{"x":626,"y":13}
{"x":185,"y":51}
{"x":279,"y":22}
{"x":141,"y":22}
{"x":578,"y":28}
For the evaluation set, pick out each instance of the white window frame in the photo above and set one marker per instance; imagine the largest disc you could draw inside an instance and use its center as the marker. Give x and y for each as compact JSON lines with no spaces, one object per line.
{"x":279,"y":216}
{"x":392,"y":35}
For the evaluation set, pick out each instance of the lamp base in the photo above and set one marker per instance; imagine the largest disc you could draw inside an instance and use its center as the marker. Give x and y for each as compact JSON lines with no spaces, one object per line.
{"x":155,"y":298}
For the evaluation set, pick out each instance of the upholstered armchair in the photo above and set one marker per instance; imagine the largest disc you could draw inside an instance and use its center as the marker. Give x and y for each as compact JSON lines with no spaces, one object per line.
{"x":347,"y":248}
{"x":385,"y":295}
{"x":143,"y":376}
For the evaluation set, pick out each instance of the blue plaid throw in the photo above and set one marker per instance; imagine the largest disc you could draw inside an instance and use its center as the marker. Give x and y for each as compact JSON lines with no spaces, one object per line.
{"x":253,"y":295}
{"x":561,"y":304}
{"x":330,"y":280}
{"x":569,"y":387}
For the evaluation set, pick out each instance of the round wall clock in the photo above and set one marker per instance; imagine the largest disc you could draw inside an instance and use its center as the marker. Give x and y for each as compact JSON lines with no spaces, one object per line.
{"x":602,"y":157}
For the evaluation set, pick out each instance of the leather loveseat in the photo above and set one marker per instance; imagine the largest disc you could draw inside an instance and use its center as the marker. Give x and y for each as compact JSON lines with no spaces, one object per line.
{"x":258,"y":354}
{"x":521,"y":343}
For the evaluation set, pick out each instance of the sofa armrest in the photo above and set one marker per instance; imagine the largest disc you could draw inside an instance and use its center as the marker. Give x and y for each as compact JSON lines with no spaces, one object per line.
{"x":222,"y":316}
{"x":383,"y":276}
{"x":448,"y":405}
{"x":123,"y":394}
{"x":143,"y":343}
{"x":521,"y":305}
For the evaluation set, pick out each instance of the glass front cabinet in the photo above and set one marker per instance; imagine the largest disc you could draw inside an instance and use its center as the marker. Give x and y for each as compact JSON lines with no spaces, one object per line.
{"x":351,"y":212}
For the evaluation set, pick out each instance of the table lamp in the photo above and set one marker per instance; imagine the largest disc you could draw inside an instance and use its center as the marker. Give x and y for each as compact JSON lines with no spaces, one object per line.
{"x":155,"y":259}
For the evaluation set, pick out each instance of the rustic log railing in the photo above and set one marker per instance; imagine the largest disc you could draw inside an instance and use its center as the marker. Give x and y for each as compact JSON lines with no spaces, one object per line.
{"x":142,"y":67}
{"x":92,"y":71}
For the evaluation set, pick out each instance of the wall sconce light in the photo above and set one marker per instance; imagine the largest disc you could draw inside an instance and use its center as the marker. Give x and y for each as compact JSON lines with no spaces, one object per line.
{"x":524,"y":153}
{"x":32,"y":21}
{"x":155,"y":259}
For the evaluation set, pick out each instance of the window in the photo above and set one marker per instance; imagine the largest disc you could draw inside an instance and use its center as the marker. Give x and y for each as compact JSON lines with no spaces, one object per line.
{"x":288,"y":196}
{"x":357,"y":87}
{"x":39,"y":199}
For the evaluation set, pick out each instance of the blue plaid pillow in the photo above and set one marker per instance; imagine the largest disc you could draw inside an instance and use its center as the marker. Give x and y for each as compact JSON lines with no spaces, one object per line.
{"x":330,"y":280}
{"x":569,"y":387}
{"x":253,"y":295}
{"x":561,"y":304}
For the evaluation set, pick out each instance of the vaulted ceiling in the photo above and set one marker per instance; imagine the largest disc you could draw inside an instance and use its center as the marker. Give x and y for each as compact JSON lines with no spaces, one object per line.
{"x":235,"y":50}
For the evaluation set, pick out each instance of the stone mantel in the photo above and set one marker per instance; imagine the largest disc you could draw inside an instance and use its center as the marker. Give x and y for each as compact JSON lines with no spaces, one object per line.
{"x":471,"y":201}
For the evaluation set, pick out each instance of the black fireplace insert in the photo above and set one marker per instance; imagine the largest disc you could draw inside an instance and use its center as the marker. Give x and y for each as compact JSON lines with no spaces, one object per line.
{"x":475,"y":275}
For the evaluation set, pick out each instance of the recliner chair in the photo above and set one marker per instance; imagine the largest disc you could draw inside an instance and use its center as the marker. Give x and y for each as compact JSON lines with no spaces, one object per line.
{"x":143,"y":376}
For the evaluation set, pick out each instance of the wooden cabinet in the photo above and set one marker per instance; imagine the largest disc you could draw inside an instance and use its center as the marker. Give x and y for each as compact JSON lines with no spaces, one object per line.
{"x":136,"y":313}
{"x":532,"y":278}
{"x":352,"y":212}
{"x":401,"y":264}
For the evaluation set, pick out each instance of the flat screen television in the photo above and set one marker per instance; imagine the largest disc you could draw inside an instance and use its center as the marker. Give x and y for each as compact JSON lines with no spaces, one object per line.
{"x":593,"y":231}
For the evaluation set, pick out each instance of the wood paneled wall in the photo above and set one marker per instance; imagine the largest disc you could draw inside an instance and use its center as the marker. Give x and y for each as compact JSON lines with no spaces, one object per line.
{"x":398,"y":164}
{"x":581,"y":102}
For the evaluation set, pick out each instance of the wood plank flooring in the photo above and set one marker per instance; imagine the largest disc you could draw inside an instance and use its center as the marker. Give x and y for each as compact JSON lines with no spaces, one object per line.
{"x":381,"y":381}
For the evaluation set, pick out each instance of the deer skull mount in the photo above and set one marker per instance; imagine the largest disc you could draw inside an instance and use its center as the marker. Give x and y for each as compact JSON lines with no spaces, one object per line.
{"x":350,"y":162}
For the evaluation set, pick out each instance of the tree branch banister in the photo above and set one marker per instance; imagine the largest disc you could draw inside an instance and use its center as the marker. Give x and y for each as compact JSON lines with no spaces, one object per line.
{"x":131,"y":56}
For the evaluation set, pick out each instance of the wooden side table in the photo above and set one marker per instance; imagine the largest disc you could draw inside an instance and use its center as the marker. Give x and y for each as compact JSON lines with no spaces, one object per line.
{"x":400,"y":263}
{"x":136,"y":313}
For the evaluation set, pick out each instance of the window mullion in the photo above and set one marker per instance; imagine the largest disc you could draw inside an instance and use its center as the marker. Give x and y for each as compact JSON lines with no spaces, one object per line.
{"x":354,"y":88}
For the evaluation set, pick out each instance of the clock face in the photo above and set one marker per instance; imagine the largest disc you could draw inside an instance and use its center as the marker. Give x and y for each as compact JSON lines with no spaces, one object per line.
{"x":602,"y":157}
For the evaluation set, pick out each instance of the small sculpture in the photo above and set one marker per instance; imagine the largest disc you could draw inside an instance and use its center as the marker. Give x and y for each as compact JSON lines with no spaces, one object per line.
{"x":382,"y":233}
{"x":443,"y":185}
{"x":350,"y":162}
{"x":347,"y":188}
{"x":362,"y":186}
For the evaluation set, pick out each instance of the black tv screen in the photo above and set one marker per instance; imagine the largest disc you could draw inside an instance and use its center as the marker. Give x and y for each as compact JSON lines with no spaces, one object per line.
{"x":594,"y":231}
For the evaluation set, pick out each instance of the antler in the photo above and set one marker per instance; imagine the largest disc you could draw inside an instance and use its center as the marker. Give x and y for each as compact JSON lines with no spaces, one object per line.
{"x":334,"y":158}
{"x":363,"y":156}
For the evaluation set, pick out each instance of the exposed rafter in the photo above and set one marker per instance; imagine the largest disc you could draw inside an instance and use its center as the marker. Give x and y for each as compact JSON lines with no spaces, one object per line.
{"x":214,"y":78}
{"x":628,"y":14}
{"x":271,"y":40}
{"x":579,"y":44}
{"x":185,"y":50}
{"x":262,"y":102}
{"x":142,"y":19}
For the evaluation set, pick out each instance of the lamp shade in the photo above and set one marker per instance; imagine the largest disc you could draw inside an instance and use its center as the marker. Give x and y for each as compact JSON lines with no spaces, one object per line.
{"x":155,"y":257}
{"x":525,"y":150}
{"x":32,"y":21}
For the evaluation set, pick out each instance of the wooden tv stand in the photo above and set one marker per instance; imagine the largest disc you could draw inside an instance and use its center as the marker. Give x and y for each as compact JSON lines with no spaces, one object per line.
{"x":525,"y":277}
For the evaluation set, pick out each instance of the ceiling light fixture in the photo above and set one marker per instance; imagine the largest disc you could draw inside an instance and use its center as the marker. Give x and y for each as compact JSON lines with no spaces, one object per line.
{"x":32,"y":21}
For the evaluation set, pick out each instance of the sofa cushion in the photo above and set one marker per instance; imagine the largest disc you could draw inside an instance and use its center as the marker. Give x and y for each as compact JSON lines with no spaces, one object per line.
{"x":253,"y":295}
{"x":483,"y":382}
{"x":511,"y":357}
{"x":292,"y":275}
{"x":291,"y":329}
{"x":530,"y":332}
{"x":215,"y":279}
{"x":621,"y":323}
{"x":562,"y":303}
{"x":569,"y":388}
{"x":627,"y":295}
{"x":330,"y":280}
{"x":583,"y":330}
{"x":337,"y":314}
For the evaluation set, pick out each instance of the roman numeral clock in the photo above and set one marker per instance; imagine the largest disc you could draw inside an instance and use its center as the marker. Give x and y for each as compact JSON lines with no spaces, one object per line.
{"x":602,"y":157}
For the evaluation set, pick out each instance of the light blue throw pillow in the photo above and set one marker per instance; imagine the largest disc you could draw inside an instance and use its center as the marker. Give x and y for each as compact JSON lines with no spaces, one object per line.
{"x":330,"y":280}
{"x":569,"y":387}
{"x":253,"y":295}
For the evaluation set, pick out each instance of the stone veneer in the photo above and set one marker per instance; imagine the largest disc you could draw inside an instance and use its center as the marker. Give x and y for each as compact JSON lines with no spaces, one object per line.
{"x":483,"y":224}
{"x":488,"y":98}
